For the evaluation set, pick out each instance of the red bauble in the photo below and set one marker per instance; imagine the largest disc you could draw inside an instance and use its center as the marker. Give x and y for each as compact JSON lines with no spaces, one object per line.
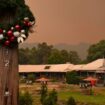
{"x":9,"y":33}
{"x":1,"y":31}
{"x":12,"y":38}
{"x":7,"y":43}
{"x":29,"y":24}
{"x":26,"y":23}
{"x":18,"y":27}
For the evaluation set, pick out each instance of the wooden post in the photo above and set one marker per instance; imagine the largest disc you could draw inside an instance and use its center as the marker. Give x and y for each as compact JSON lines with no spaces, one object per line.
{"x":9,"y":76}
{"x":8,"y":67}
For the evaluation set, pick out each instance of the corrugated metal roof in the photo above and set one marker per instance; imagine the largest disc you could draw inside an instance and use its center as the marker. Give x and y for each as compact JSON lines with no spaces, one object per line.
{"x":77,"y":67}
{"x":42,"y":68}
{"x":95,"y":65}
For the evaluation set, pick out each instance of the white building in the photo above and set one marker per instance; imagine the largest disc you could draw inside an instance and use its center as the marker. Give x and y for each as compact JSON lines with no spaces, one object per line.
{"x":59,"y":70}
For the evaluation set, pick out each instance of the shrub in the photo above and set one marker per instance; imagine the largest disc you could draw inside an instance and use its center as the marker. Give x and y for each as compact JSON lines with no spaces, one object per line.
{"x":72,"y":78}
{"x":43,"y":93}
{"x":53,"y":96}
{"x":71,"y":101}
{"x":25,"y":98}
{"x":51,"y":99}
{"x":47,"y":101}
{"x":31,"y":77}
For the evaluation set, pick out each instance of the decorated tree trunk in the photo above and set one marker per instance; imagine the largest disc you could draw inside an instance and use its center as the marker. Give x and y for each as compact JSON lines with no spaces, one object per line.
{"x":8,"y":69}
{"x":15,"y":22}
{"x":9,"y":76}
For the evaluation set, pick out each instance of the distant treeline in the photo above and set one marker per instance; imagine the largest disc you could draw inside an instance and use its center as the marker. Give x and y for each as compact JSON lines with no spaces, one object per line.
{"x":47,"y":54}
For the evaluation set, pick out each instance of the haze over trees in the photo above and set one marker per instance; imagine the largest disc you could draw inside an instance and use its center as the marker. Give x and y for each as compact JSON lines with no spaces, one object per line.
{"x":47,"y":54}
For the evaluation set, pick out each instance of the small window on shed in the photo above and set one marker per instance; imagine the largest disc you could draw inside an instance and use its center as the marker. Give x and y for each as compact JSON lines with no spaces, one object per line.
{"x":47,"y":67}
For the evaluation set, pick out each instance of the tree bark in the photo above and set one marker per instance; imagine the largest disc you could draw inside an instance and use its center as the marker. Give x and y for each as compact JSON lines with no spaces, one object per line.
{"x":9,"y":76}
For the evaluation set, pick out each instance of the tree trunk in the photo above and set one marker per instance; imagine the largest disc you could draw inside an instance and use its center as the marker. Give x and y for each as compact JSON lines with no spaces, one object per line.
{"x":8,"y":76}
{"x":8,"y":66}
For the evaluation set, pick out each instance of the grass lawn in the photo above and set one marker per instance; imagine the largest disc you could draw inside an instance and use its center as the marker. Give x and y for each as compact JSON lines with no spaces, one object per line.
{"x":97,"y":99}
{"x":66,"y":91}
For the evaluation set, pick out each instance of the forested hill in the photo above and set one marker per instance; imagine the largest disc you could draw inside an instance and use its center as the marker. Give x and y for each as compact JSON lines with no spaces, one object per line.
{"x":81,"y":48}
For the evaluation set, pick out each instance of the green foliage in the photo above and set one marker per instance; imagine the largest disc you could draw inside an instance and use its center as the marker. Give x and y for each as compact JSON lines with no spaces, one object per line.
{"x":32,"y":56}
{"x":91,"y":91}
{"x":96,"y":51}
{"x":72,"y":77}
{"x":31,"y":77}
{"x":71,"y":101}
{"x":24,"y":56}
{"x":65,"y":56}
{"x":74,"y":58}
{"x":55,"y":57}
{"x":48,"y":99}
{"x":17,"y":9}
{"x":25,"y":98}
{"x":46,"y":54}
{"x":43,"y":93}
{"x":51,"y":99}
{"x":42,"y":53}
{"x":10,"y":4}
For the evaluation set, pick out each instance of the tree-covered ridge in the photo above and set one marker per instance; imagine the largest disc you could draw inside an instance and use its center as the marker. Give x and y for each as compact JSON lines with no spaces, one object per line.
{"x":47,"y":54}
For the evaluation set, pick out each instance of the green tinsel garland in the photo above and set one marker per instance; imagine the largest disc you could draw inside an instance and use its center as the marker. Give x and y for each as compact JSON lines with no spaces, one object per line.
{"x":18,"y":7}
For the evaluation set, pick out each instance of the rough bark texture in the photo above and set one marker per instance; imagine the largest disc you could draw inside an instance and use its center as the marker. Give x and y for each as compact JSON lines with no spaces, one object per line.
{"x":8,"y":76}
{"x":8,"y":66}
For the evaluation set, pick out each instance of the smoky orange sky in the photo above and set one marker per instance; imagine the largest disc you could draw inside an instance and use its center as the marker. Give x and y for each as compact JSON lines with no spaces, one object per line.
{"x":68,"y":21}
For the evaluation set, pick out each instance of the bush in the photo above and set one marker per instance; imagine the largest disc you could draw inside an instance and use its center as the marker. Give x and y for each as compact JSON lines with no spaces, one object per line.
{"x":25,"y":98}
{"x":31,"y":77}
{"x":51,"y":99}
{"x":71,"y":101}
{"x":43,"y":93}
{"x":72,"y":78}
{"x":48,"y":99}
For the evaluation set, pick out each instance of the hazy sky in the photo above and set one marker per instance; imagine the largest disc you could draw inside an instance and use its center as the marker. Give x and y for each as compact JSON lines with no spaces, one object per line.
{"x":68,"y":21}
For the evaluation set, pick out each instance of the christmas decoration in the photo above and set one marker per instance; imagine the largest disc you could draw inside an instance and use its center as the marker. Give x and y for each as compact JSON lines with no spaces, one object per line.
{"x":1,"y":31}
{"x":12,"y":38}
{"x":18,"y":27}
{"x":1,"y":36}
{"x":17,"y":30}
{"x":16,"y":34}
{"x":9,"y":33}
{"x":7,"y":42}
